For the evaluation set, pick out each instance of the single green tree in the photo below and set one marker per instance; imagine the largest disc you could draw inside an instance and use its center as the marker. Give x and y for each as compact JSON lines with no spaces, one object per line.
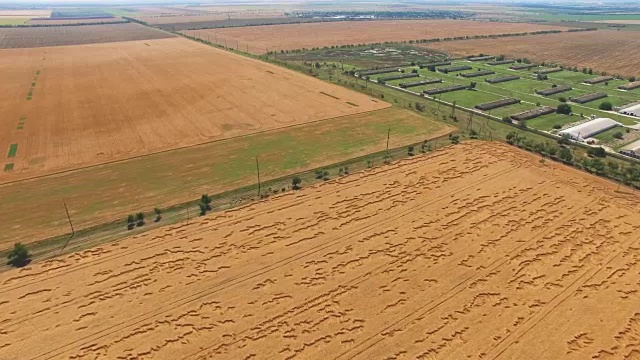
{"x":203,"y":208}
{"x":605,"y":105}
{"x":206,"y":200}
{"x":140,"y":219}
{"x":19,"y":256}
{"x":564,"y":109}
{"x":131,"y":221}
{"x":295,"y":182}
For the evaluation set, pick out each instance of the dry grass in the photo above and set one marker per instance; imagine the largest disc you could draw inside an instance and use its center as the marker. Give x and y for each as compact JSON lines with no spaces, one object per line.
{"x":475,"y":251}
{"x":32,"y":37}
{"x":616,"y":52}
{"x":297,"y":36}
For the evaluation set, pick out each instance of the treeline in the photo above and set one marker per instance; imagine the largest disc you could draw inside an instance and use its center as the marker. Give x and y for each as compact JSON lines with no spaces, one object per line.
{"x":594,"y":163}
{"x":420,"y":41}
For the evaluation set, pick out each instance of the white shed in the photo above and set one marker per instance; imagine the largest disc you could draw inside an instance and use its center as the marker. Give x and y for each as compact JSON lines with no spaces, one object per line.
{"x":632,"y":149}
{"x":589,"y":129}
{"x":631,"y":110}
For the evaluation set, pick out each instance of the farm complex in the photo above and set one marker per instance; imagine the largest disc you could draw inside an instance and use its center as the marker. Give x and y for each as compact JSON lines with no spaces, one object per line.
{"x":615,"y":52}
{"x":320,"y":180}
{"x":510,"y":249}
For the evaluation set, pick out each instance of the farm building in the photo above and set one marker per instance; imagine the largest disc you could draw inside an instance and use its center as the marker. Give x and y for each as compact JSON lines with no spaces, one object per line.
{"x":588,"y":98}
{"x":523,"y":67}
{"x":532,"y":114}
{"x":449,"y":69}
{"x":478,"y":73}
{"x":445,"y":89}
{"x":632,"y":149}
{"x":501,"y":62}
{"x":598,"y":80}
{"x":586,"y":130}
{"x":554,"y":90}
{"x":549,"y":70}
{"x":631,"y":110}
{"x":496,"y":104}
{"x":440,"y":63}
{"x":421,"y":82}
{"x":481,"y":58}
{"x":630,"y":86}
{"x":399,"y":77}
{"x":502,"y":79}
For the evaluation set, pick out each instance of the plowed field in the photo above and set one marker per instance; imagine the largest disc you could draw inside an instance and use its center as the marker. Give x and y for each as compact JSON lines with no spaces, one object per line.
{"x":616,"y":52}
{"x":97,"y":103}
{"x":297,"y":36}
{"x":474,"y":251}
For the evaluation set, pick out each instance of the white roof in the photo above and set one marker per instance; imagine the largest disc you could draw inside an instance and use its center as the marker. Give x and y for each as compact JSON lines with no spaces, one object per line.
{"x":633,"y":108}
{"x":634,"y":146}
{"x":590,"y":128}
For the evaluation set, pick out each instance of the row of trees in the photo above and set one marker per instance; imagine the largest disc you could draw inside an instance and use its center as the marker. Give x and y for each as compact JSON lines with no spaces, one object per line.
{"x":418,"y":41}
{"x":138,"y":219}
{"x":594,"y":163}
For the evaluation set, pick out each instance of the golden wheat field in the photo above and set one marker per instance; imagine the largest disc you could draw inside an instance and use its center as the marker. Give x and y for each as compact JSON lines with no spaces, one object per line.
{"x":474,"y":251}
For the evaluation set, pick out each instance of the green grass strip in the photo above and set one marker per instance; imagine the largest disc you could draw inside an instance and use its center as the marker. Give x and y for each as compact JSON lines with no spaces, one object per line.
{"x":8,"y":167}
{"x":20,"y":127}
{"x":12,"y":150}
{"x":33,"y":84}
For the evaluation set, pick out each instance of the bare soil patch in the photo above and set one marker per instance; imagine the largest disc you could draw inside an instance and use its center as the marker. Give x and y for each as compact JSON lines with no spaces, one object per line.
{"x":32,"y":37}
{"x":474,"y":251}
{"x":616,"y":52}
{"x":297,"y":36}
{"x":98,"y":103}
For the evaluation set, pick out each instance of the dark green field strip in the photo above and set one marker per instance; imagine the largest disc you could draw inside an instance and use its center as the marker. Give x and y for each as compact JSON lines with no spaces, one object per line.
{"x":8,"y":167}
{"x":13,"y":149}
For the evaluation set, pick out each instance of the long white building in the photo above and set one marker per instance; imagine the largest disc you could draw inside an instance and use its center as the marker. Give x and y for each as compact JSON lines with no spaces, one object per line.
{"x":632,"y":149}
{"x":586,"y":130}
{"x":631,"y":110}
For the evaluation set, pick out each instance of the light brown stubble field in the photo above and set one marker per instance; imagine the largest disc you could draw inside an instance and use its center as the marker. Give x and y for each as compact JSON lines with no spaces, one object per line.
{"x":473,"y":251}
{"x":616,"y":52}
{"x":98,"y":103}
{"x":297,"y":36}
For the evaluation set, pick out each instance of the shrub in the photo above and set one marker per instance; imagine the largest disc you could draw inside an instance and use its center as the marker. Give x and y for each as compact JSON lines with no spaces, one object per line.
{"x":564,"y":109}
{"x":206,"y":200}
{"x":19,"y":256}
{"x":410,"y":150}
{"x":618,"y":135}
{"x":318,"y":174}
{"x":605,"y":105}
{"x":557,"y":126}
{"x":597,"y":151}
{"x":562,"y":99}
{"x":295,"y":183}
{"x":454,"y":139}
{"x":158,"y":213}
{"x":140,"y":219}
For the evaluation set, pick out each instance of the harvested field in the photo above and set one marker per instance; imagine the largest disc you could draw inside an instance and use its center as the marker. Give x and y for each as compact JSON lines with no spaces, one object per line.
{"x":32,"y":13}
{"x":207,"y":17}
{"x":616,"y":52}
{"x":211,"y":24}
{"x":94,"y":195}
{"x":278,"y":37}
{"x":73,"y":21}
{"x":475,"y":251}
{"x":32,"y":37}
{"x":133,"y":98}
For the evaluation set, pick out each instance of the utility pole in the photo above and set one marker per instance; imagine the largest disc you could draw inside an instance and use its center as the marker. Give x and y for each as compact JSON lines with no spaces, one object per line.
{"x":388,"y":135}
{"x":258,"y":170}
{"x":73,"y":232}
